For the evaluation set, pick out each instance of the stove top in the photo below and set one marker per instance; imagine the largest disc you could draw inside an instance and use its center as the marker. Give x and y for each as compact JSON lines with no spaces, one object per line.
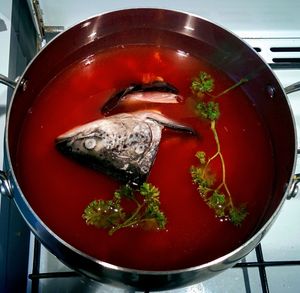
{"x":274,"y":266}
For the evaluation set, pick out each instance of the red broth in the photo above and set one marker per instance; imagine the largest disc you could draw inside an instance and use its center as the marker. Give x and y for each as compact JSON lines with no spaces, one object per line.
{"x":59,"y":189}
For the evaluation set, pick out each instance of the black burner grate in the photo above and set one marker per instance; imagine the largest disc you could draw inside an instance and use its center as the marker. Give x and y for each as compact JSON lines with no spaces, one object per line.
{"x":35,"y":276}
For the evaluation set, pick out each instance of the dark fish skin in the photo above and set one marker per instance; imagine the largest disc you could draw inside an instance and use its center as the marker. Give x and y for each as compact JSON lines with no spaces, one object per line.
{"x":123,"y":146}
{"x":155,"y":86}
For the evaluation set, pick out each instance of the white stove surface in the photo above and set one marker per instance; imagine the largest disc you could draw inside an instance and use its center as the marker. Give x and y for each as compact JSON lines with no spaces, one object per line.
{"x":282,"y":242}
{"x":265,"y":18}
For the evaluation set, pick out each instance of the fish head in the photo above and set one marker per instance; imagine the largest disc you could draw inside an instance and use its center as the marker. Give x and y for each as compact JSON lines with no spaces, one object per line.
{"x":123,"y":146}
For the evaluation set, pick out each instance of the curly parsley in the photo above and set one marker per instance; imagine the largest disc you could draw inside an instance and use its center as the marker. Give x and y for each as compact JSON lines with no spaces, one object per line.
{"x":110,"y":214}
{"x":215,"y":192}
{"x":203,"y":83}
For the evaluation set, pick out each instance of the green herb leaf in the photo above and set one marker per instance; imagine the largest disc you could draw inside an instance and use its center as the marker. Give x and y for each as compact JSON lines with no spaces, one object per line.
{"x":124,"y":191}
{"x":237,"y":215}
{"x":217,"y":200}
{"x":109,"y":214}
{"x":153,"y":212}
{"x":204,"y":83}
{"x":149,"y":191}
{"x":202,"y":157}
{"x":209,"y":110}
{"x":103,"y":214}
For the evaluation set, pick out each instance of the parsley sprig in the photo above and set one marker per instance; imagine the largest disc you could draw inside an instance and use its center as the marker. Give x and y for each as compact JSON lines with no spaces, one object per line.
{"x":215,"y":192}
{"x":203,"y":83}
{"x":111,"y":215}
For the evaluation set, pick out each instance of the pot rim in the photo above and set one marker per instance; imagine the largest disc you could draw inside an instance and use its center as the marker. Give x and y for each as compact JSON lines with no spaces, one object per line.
{"x":21,"y":200}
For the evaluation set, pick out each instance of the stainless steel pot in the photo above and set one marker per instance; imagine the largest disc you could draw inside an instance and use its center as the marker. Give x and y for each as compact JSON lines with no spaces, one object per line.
{"x":184,"y":32}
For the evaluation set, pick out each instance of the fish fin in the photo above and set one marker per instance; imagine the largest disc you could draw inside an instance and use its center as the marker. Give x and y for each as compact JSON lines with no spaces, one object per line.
{"x":166,"y":122}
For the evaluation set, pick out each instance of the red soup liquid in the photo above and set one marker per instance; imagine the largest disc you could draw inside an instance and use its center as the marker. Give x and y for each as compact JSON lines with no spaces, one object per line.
{"x":59,"y":189}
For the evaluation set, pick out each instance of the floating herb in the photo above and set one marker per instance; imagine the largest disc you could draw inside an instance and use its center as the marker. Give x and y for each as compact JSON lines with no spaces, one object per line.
{"x":214,"y":192}
{"x":203,"y":83}
{"x":110,"y":214}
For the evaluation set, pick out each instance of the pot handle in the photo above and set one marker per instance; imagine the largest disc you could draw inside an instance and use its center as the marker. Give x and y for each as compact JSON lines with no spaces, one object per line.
{"x":296,"y":179}
{"x":5,"y":80}
{"x":5,"y":187}
{"x":295,"y":186}
{"x":292,"y":88}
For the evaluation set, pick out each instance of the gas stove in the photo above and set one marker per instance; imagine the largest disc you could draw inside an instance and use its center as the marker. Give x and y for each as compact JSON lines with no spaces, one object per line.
{"x":274,"y":266}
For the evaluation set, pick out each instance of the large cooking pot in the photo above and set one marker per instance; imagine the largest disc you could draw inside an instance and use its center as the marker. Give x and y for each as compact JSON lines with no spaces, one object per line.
{"x":165,"y":28}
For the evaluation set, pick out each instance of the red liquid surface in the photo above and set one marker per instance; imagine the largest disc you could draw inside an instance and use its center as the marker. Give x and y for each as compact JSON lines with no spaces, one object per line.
{"x":59,"y":189}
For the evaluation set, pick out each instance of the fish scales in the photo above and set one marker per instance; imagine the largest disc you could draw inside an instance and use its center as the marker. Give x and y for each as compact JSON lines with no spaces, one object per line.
{"x":123,"y":146}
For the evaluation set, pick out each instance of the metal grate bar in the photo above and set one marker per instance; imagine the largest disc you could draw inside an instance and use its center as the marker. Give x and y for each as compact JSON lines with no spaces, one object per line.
{"x":69,"y":274}
{"x":36,"y":265}
{"x":261,"y":264}
{"x":268,"y":264}
{"x":262,"y":270}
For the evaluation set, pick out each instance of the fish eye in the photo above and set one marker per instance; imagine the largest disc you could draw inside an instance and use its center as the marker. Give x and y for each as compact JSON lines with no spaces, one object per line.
{"x":140,"y":149}
{"x":90,"y":143}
